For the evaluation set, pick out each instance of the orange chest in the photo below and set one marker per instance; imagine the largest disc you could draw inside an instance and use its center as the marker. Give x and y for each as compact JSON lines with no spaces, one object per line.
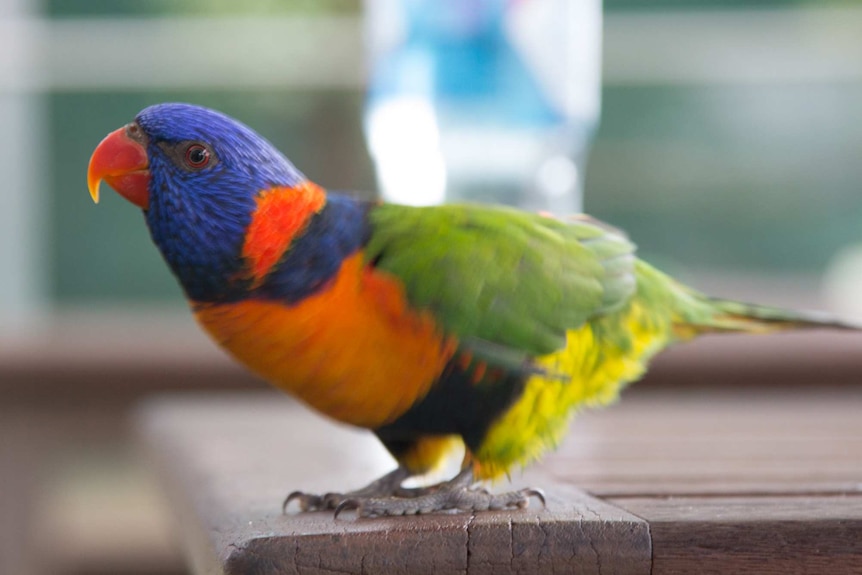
{"x":354,"y":350}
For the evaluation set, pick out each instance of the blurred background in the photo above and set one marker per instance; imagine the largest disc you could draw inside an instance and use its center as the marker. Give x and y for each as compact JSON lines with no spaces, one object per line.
{"x":729,"y":147}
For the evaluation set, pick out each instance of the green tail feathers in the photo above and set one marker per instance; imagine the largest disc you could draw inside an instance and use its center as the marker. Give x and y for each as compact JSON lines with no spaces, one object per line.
{"x":737,"y":316}
{"x":693,"y":313}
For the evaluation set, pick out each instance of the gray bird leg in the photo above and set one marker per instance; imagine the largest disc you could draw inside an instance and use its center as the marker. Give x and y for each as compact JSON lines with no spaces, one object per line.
{"x":388,"y":485}
{"x":457,"y":494}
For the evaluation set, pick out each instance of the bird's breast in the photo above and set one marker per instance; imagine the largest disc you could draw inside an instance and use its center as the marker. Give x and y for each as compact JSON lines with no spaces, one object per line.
{"x":354,"y":350}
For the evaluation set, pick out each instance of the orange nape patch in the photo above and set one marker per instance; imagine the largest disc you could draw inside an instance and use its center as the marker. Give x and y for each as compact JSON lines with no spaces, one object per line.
{"x":280,"y":216}
{"x":354,"y":351}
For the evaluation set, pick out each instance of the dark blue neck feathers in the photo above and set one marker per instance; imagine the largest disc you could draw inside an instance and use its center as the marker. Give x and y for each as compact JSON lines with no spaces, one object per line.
{"x":338,"y":231}
{"x":208,"y":263}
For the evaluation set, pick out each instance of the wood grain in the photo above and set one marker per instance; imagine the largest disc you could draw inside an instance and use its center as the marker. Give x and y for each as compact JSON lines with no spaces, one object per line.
{"x":768,"y":535}
{"x":674,"y":482}
{"x":666,"y":443}
{"x":230,"y":461}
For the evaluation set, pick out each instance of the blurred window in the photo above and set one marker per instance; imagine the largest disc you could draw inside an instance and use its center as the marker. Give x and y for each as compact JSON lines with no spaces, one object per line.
{"x":729,"y":138}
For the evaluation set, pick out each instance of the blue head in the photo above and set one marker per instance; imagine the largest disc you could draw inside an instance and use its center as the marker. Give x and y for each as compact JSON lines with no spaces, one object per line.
{"x":196,"y":173}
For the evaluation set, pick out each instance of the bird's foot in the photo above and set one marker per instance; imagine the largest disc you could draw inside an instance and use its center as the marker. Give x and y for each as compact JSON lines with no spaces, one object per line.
{"x":388,"y":486}
{"x":456,"y":495}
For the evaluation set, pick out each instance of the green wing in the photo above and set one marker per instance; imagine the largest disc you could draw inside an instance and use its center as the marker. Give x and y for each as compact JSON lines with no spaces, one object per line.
{"x":506,"y":282}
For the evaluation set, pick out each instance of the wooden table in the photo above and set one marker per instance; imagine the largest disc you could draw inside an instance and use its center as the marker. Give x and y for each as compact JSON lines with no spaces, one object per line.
{"x":664,"y":482}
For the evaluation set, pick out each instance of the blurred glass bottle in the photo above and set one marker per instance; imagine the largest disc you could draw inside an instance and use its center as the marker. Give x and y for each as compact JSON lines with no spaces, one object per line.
{"x":483,"y":100}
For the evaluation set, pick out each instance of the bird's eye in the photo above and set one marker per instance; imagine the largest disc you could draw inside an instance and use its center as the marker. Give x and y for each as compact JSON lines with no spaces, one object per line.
{"x":197,"y":156}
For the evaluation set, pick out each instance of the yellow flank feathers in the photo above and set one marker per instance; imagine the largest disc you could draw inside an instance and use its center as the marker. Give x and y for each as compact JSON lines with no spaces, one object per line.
{"x":598,"y":360}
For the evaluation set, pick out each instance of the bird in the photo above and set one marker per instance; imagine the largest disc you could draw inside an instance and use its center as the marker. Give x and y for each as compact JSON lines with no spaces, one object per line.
{"x":458,"y":328}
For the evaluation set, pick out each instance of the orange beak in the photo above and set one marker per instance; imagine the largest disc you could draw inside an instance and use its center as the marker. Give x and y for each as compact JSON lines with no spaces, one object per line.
{"x":121,"y":160}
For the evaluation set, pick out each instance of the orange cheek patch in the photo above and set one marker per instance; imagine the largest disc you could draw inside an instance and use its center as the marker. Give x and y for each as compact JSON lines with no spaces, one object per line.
{"x":281,"y":215}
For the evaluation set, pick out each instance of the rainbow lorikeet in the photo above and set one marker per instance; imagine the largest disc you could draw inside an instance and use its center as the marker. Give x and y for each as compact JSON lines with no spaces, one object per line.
{"x":434,"y":327}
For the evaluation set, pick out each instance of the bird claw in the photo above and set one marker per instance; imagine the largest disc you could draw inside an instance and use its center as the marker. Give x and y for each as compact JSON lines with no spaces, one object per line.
{"x":386,"y":497}
{"x":529,"y":492}
{"x":307,"y":501}
{"x":313,"y":502}
{"x":348,"y":505}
